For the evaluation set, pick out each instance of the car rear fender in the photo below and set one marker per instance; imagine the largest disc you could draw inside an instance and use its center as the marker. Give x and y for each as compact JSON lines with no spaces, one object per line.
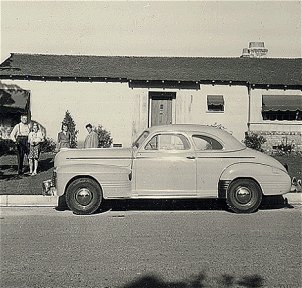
{"x":114,"y":181}
{"x":272,"y":180}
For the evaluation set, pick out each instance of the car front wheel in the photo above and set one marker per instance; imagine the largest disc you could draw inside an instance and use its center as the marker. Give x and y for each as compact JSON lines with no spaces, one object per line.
{"x":83,"y":196}
{"x":244,"y":196}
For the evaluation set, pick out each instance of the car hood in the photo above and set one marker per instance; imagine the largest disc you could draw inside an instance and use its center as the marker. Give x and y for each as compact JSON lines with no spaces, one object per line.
{"x":110,"y":156}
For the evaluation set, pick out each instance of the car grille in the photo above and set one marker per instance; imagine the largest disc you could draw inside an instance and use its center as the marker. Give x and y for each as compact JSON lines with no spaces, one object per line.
{"x":54,"y":178}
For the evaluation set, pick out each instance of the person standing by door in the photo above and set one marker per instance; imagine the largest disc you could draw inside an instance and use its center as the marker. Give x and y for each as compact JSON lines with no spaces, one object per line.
{"x":19,"y":135}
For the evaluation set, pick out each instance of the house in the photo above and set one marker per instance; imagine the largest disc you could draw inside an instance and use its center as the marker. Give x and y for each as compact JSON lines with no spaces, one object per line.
{"x":128,"y":94}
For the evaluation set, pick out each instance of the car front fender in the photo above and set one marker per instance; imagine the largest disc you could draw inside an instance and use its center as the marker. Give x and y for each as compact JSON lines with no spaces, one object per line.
{"x":114,"y":181}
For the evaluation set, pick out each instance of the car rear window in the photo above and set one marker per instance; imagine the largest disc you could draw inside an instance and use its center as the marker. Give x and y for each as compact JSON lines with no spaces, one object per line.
{"x":203,"y":142}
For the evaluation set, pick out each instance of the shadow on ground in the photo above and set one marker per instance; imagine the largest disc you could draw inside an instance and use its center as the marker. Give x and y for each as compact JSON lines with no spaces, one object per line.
{"x":272,"y":202}
{"x":197,"y":281}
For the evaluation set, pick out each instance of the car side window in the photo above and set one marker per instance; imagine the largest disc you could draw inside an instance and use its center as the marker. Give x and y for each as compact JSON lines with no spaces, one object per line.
{"x":203,"y":142}
{"x":168,"y":142}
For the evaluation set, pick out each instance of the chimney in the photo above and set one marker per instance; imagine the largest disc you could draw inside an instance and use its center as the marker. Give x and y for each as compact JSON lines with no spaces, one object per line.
{"x":255,"y":50}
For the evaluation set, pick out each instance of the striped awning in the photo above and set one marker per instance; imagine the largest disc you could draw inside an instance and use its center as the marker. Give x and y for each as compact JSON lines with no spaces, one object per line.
{"x":281,"y":102}
{"x":215,"y":100}
{"x":14,"y":99}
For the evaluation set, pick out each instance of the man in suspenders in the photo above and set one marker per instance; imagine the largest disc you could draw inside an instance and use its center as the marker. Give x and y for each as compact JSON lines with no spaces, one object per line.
{"x":20,"y":136}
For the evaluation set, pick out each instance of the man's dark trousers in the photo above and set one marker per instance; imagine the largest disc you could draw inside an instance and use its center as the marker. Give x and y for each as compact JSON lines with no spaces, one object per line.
{"x":22,"y":149}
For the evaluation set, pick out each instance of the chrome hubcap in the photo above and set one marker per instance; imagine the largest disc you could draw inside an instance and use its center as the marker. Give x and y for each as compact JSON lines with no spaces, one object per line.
{"x":83,"y":196}
{"x":243,"y":195}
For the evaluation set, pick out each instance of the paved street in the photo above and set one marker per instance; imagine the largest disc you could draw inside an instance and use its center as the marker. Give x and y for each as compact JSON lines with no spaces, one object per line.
{"x":42,"y":247}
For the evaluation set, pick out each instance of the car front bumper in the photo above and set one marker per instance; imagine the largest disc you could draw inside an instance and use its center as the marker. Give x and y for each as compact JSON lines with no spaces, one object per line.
{"x":48,"y":188}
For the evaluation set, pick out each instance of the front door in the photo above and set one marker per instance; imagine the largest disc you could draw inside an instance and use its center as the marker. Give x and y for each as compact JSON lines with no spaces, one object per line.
{"x":161,"y":108}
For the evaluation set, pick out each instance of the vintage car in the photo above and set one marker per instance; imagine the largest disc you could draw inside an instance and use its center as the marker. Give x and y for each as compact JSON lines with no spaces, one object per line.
{"x":169,"y":162}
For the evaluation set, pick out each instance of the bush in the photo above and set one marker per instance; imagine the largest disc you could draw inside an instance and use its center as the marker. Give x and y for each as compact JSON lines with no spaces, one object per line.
{"x":254,"y":140}
{"x":285,"y":148}
{"x":72,"y":129}
{"x":104,"y":136}
{"x":49,"y":145}
{"x":7,"y":146}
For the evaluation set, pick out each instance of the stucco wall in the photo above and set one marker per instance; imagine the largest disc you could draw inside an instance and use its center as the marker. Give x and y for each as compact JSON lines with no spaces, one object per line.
{"x":275,"y":132}
{"x":112,"y":105}
{"x":191,"y":107}
{"x":258,"y":124}
{"x":124,"y":111}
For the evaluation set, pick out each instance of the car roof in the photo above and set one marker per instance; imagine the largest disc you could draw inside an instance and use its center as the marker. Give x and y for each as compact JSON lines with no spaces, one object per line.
{"x":229,"y":141}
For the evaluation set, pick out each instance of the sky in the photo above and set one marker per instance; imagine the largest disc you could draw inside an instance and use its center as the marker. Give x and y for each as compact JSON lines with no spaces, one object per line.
{"x":150,"y":28}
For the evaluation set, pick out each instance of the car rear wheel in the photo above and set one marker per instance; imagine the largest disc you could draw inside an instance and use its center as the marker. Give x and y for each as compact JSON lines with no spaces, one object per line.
{"x":84,"y":196}
{"x":244,"y":196}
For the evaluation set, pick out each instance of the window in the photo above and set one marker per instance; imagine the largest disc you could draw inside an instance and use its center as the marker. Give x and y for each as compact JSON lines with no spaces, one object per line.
{"x":203,"y":142}
{"x":168,"y":142}
{"x":215,"y":102}
{"x":282,"y":107}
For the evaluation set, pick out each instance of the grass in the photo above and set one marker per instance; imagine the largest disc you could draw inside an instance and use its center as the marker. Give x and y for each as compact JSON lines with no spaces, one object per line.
{"x":13,"y":184}
{"x":294,"y":163}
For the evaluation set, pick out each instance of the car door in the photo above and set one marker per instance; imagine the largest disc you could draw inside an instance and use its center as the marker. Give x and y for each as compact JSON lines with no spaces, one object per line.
{"x":165,"y":167}
{"x":211,"y":160}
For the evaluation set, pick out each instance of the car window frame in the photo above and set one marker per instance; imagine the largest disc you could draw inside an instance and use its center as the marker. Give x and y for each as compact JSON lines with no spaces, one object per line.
{"x":150,"y":137}
{"x":143,"y":140}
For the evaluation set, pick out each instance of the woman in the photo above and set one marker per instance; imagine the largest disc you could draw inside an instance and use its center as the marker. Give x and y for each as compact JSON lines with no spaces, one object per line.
{"x":64,"y":137}
{"x":35,"y":138}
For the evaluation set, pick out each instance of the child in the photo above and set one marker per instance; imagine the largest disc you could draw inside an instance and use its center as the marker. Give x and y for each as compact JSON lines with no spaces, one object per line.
{"x":35,"y":137}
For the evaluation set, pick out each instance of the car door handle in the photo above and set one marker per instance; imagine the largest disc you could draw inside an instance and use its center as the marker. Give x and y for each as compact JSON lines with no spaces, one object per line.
{"x":191,"y":157}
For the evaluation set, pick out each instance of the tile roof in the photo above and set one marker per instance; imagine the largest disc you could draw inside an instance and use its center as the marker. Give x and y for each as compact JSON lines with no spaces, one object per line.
{"x":273,"y":71}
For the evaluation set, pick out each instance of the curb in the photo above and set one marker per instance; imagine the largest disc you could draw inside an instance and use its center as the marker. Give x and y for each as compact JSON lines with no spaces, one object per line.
{"x":293,"y":198}
{"x":28,"y":200}
{"x":52,"y":201}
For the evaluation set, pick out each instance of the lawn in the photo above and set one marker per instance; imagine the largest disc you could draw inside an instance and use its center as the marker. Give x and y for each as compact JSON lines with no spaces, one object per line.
{"x":13,"y":184}
{"x":294,"y":163}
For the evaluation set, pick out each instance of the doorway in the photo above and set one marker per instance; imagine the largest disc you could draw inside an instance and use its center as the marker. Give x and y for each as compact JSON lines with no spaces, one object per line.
{"x":161,"y":108}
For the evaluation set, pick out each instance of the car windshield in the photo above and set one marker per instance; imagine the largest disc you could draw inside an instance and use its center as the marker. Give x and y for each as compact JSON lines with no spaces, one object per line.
{"x":141,"y":139}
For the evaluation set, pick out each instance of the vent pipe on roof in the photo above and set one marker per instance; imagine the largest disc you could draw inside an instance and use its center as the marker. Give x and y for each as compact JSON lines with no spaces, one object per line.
{"x":245,"y":53}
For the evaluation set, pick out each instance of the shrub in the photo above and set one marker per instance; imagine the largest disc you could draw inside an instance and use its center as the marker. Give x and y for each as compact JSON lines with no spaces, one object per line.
{"x":285,"y":148}
{"x":49,"y":145}
{"x":104,"y":136}
{"x":72,"y":129}
{"x":7,"y":146}
{"x":254,"y":140}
